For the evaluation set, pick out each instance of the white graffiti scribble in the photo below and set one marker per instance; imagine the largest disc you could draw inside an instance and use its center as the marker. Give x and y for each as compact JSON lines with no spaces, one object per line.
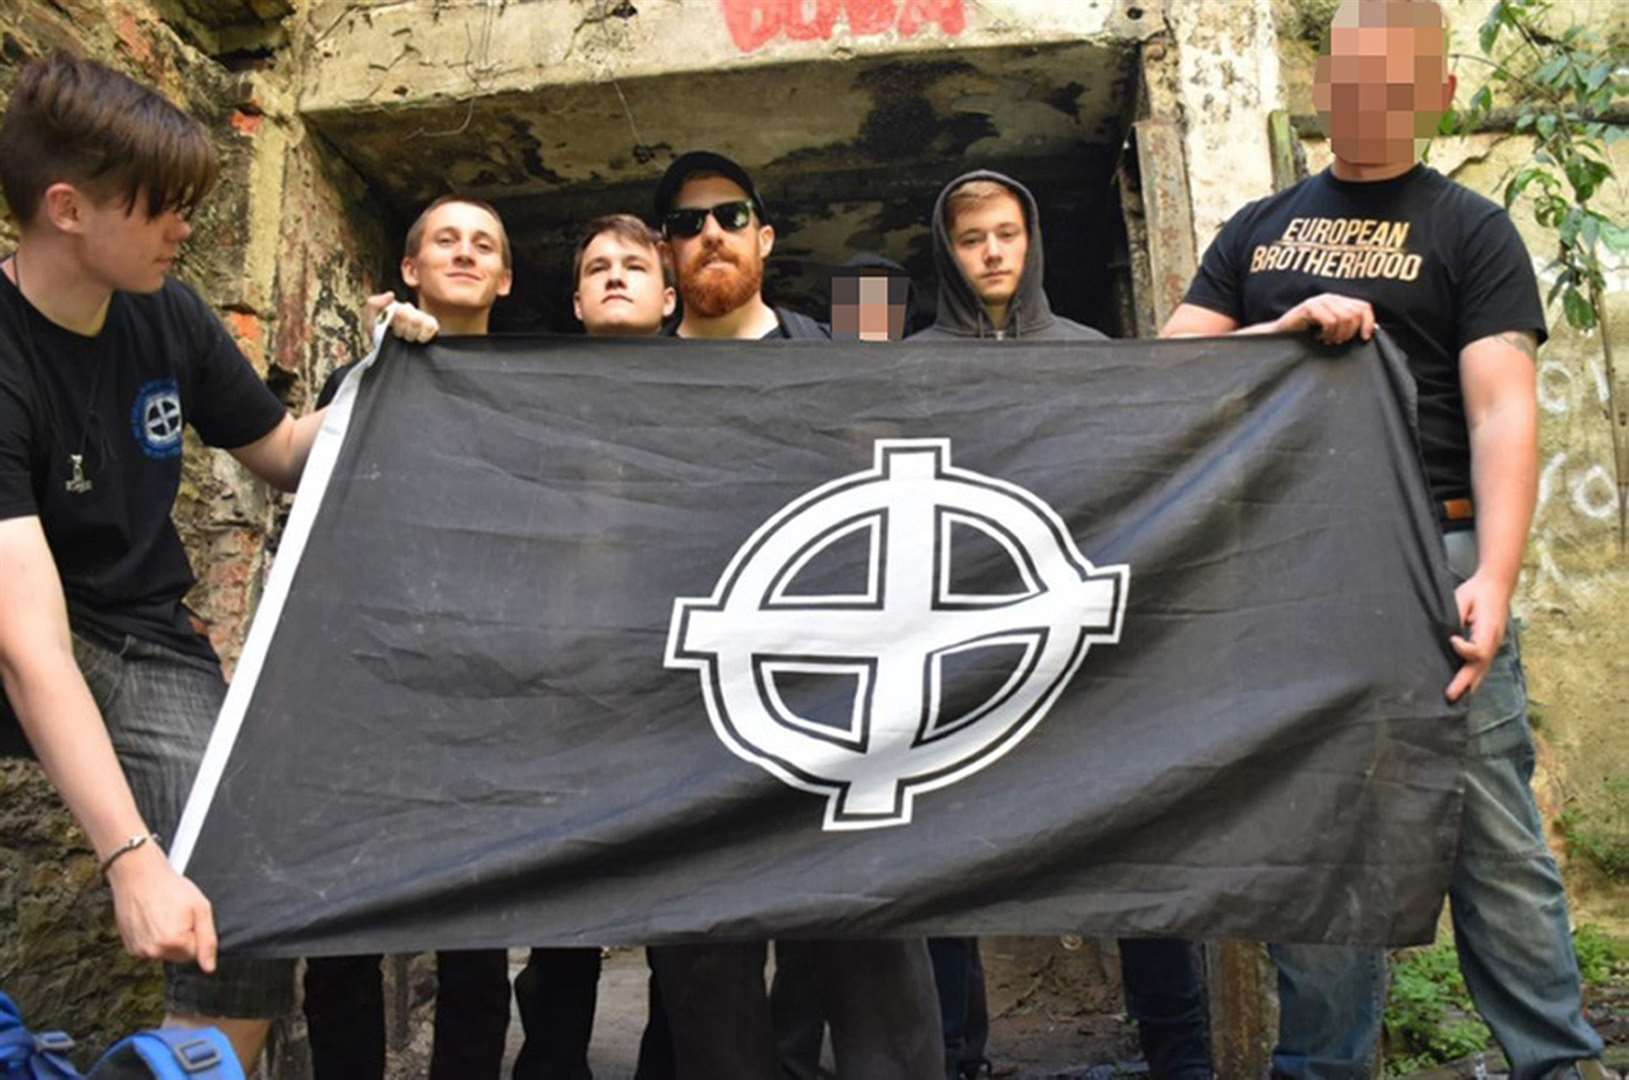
{"x":1594,"y":494}
{"x":1554,"y":388}
{"x":1547,"y":479}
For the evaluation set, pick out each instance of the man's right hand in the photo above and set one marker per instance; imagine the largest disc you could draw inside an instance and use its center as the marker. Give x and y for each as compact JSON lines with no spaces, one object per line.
{"x":161,"y":915}
{"x":1336,"y":318}
{"x":406,"y":322}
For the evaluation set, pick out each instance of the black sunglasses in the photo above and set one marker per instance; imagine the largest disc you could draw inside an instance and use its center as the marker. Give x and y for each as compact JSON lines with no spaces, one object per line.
{"x":690,"y":220}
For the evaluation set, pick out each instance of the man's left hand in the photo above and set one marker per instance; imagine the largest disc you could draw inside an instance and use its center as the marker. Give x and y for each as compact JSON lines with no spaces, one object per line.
{"x":1484,"y":608}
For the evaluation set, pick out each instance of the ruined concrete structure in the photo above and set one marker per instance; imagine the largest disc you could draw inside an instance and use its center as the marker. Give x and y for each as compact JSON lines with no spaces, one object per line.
{"x":1141,"y":125}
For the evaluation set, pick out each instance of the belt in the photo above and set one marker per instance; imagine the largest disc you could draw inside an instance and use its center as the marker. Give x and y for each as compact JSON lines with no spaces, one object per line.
{"x":1457,"y":510}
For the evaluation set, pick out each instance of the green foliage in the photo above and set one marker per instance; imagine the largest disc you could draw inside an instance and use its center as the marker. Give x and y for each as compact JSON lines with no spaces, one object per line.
{"x":1429,"y":1017}
{"x":1601,"y":833}
{"x":1564,"y":88}
{"x":1597,"y":955}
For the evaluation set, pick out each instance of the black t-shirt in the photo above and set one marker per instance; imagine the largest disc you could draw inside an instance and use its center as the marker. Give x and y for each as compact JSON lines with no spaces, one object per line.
{"x":119,"y":400}
{"x":1442,"y":266}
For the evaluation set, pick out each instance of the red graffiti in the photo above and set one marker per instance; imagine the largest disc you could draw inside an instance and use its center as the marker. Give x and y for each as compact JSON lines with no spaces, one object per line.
{"x":755,"y":23}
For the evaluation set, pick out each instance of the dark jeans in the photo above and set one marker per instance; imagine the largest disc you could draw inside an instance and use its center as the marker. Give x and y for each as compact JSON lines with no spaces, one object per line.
{"x":1165,"y":994}
{"x":159,"y":706}
{"x":877,"y":995}
{"x":344,"y":1011}
{"x":964,"y":1011}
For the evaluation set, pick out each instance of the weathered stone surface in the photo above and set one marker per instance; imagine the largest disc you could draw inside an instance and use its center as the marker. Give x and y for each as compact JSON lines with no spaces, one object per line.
{"x":289,"y":269}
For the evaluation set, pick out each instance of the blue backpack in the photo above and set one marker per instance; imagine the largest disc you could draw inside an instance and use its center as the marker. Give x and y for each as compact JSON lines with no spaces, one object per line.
{"x":162,"y":1054}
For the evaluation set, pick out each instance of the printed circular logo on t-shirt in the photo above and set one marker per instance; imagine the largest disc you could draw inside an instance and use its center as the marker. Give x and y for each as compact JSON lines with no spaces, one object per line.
{"x":155,"y":419}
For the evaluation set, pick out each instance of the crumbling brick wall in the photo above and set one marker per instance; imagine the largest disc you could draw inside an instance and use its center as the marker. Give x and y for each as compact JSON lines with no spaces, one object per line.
{"x":286,"y":248}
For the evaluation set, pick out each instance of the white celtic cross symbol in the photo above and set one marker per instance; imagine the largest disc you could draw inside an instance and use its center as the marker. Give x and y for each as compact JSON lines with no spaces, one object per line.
{"x":163,"y":417}
{"x":895,"y":640}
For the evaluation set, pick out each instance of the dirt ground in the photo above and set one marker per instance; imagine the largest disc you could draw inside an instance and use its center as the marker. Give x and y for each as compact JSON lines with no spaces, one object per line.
{"x":1056,"y":1014}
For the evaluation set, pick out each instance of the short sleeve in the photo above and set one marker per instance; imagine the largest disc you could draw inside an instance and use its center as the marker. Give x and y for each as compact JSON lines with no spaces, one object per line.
{"x":1498,"y":289}
{"x":231,"y":405}
{"x":1219,"y":284}
{"x":16,"y":454}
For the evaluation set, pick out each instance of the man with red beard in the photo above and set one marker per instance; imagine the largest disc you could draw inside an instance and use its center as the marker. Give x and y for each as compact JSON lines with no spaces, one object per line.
{"x":878,"y":996}
{"x":720,"y":236}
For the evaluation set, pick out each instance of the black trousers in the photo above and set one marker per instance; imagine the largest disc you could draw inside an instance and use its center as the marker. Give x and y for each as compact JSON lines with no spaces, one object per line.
{"x":345,"y":1014}
{"x":1165,"y":994}
{"x":556,"y":994}
{"x":877,"y":995}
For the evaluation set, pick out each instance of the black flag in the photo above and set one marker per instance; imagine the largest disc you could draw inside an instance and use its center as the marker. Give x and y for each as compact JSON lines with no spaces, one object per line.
{"x":594,"y":642}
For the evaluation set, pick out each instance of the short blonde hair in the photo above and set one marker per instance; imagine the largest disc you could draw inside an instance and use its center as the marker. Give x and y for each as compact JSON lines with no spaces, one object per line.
{"x":975,"y":193}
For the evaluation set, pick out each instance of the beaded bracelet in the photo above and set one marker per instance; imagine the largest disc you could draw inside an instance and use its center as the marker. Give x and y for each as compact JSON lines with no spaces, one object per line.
{"x":126,"y":848}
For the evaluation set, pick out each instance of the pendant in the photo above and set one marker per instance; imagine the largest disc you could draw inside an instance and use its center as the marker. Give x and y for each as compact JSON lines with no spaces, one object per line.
{"x":77,"y":484}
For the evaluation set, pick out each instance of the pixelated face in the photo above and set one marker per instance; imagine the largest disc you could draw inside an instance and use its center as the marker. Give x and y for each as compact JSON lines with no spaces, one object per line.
{"x":621,"y":291}
{"x":991,"y":241}
{"x":459,"y":264}
{"x":719,"y":269}
{"x":1383,"y":84}
{"x":868,"y":307}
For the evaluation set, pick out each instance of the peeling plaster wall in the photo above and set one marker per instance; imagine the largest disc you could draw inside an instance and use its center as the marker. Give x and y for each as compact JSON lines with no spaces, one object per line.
{"x":1574,"y":587}
{"x":286,"y":248}
{"x":1229,"y":82}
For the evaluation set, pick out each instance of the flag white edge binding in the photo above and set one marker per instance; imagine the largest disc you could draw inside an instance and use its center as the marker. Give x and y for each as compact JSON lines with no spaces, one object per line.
{"x":319,"y":468}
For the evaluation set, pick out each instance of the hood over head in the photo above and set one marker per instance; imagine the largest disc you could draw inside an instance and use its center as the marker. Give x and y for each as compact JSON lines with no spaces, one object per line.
{"x":961,"y":312}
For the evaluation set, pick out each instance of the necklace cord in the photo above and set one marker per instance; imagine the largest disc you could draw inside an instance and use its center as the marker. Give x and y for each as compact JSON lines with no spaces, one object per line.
{"x":42,"y":400}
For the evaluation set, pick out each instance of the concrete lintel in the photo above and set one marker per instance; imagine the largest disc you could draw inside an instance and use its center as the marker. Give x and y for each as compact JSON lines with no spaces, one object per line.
{"x":402,"y":53}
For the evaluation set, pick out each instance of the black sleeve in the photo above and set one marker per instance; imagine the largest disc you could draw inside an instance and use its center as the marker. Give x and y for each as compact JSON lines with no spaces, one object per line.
{"x":1497,"y":287}
{"x":231,"y":405}
{"x":1219,"y":284}
{"x":16,"y":455}
{"x":331,"y":386}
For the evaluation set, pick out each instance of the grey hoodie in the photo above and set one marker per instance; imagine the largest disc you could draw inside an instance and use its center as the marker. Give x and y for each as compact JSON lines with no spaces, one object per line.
{"x":961,"y":313}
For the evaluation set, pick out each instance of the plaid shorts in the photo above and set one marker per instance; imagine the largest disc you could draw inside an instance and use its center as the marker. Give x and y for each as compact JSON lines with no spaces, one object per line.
{"x":159,"y":706}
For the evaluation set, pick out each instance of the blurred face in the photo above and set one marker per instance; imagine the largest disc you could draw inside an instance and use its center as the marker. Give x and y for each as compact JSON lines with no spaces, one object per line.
{"x":620,"y":291}
{"x":1383,"y":84}
{"x":459,"y":265}
{"x":719,"y":270}
{"x":990,"y":240}
{"x":121,"y":247}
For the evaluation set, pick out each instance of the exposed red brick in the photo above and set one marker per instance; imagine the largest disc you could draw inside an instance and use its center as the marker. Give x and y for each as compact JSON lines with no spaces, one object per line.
{"x":250,"y":333}
{"x":246,"y":122}
{"x":134,"y":38}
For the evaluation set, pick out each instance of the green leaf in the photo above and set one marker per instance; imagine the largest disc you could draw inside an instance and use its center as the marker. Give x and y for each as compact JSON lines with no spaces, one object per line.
{"x":1524,"y":121}
{"x":1519,"y":184}
{"x":1546,"y":125}
{"x":1598,"y":75}
{"x":1550,"y":71}
{"x":1585,"y":176}
{"x":1489,"y":33}
{"x":1482,"y":100}
{"x":1571,"y":222}
{"x":1615,"y":236}
{"x":1560,"y":283}
{"x":1580,"y":312}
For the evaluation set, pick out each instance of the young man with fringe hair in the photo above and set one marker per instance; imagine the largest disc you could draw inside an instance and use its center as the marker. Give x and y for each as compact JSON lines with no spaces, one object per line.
{"x":103,"y":358}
